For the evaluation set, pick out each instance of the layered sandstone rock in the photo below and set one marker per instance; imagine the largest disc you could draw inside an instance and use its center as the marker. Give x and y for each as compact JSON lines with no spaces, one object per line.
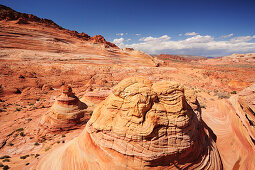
{"x":141,"y":126}
{"x":65,"y":113}
{"x":244,"y":104}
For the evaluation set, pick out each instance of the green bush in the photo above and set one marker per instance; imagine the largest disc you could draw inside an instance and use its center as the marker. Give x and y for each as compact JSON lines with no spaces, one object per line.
{"x":233,"y":92}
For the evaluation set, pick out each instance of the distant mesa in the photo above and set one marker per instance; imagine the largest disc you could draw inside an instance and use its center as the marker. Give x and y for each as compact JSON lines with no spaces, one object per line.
{"x":66,"y":113}
{"x":141,"y":125}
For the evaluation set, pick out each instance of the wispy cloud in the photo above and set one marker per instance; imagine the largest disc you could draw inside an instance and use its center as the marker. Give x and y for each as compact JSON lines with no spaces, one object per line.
{"x":190,"y":33}
{"x":205,"y":45}
{"x":137,"y":34}
{"x":153,"y":39}
{"x":242,"y":39}
{"x":227,"y":36}
{"x":120,"y":34}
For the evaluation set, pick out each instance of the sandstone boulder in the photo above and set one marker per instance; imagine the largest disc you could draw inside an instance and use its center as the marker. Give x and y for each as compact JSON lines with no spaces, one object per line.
{"x":65,"y":113}
{"x":141,"y":125}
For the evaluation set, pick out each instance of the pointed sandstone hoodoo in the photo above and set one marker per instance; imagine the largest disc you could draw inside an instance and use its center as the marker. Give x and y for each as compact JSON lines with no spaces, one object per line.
{"x":65,"y":113}
{"x":141,"y":126}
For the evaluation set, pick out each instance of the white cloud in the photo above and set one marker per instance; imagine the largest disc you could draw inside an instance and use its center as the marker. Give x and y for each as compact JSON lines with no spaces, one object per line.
{"x":196,"y":45}
{"x":180,"y":34}
{"x":242,"y":39}
{"x":190,"y":33}
{"x":227,"y":36}
{"x":137,"y":34}
{"x":128,"y":39}
{"x":120,"y":34}
{"x":199,"y":39}
{"x":119,"y":42}
{"x":153,"y":39}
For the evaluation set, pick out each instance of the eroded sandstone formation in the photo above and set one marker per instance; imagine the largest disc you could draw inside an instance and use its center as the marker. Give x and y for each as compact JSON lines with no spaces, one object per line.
{"x":65,"y":113}
{"x":141,"y":125}
{"x":244,"y":104}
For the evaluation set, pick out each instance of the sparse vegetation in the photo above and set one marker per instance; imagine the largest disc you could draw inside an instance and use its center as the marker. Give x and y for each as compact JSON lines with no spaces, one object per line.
{"x":63,"y":135}
{"x":63,"y":141}
{"x":36,"y":144}
{"x":24,"y":157}
{"x":2,"y":110}
{"x":36,"y":155}
{"x":1,"y":165}
{"x":233,"y":92}
{"x":19,"y":130}
{"x":6,"y":160}
{"x":22,"y":134}
{"x":5,"y":167}
{"x":5,"y":156}
{"x":58,"y":141}
{"x":47,"y":148}
{"x":10,"y":144}
{"x":27,"y":163}
{"x":18,"y":109}
{"x":202,"y":106}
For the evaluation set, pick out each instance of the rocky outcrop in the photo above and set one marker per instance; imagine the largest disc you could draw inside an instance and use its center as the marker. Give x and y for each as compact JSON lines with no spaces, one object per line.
{"x":244,"y":104}
{"x":141,"y":125}
{"x":66,"y":113}
{"x":9,"y":14}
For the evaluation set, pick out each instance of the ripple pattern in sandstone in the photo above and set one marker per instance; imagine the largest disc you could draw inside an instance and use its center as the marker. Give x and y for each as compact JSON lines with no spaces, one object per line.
{"x":141,"y":125}
{"x":65,"y":113}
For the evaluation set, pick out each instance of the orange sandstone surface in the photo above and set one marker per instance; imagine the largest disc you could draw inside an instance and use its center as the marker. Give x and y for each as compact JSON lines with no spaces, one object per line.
{"x":52,"y":80}
{"x":141,"y":126}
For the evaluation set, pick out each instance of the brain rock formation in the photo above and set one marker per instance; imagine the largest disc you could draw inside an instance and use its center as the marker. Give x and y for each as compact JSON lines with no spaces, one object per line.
{"x":65,"y":113}
{"x":141,"y":126}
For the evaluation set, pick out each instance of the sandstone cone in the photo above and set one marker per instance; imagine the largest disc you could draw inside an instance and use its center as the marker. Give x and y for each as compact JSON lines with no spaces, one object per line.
{"x":65,"y":113}
{"x":141,"y":126}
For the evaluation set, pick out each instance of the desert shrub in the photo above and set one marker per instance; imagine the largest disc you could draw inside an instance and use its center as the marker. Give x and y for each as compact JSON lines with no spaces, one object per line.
{"x":24,"y":157}
{"x":5,"y":167}
{"x":6,"y":160}
{"x":5,"y":156}
{"x":22,"y":134}
{"x":2,"y":110}
{"x":233,"y":92}
{"x":63,"y":135}
{"x":36,"y":144}
{"x":10,"y":144}
{"x":36,"y":155}
{"x":1,"y":165}
{"x":63,"y":141}
{"x":18,"y":109}
{"x":20,"y":129}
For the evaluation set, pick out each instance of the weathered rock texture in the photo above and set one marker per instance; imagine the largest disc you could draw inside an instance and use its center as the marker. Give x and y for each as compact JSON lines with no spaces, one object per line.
{"x":141,"y":126}
{"x":65,"y":113}
{"x":244,"y":104}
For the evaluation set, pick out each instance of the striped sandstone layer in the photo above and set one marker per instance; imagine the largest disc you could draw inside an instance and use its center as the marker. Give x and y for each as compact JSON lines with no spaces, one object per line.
{"x":65,"y":113}
{"x":141,"y":126}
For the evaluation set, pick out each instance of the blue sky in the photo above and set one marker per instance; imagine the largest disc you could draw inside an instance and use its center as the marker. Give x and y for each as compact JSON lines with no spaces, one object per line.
{"x":195,"y":27}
